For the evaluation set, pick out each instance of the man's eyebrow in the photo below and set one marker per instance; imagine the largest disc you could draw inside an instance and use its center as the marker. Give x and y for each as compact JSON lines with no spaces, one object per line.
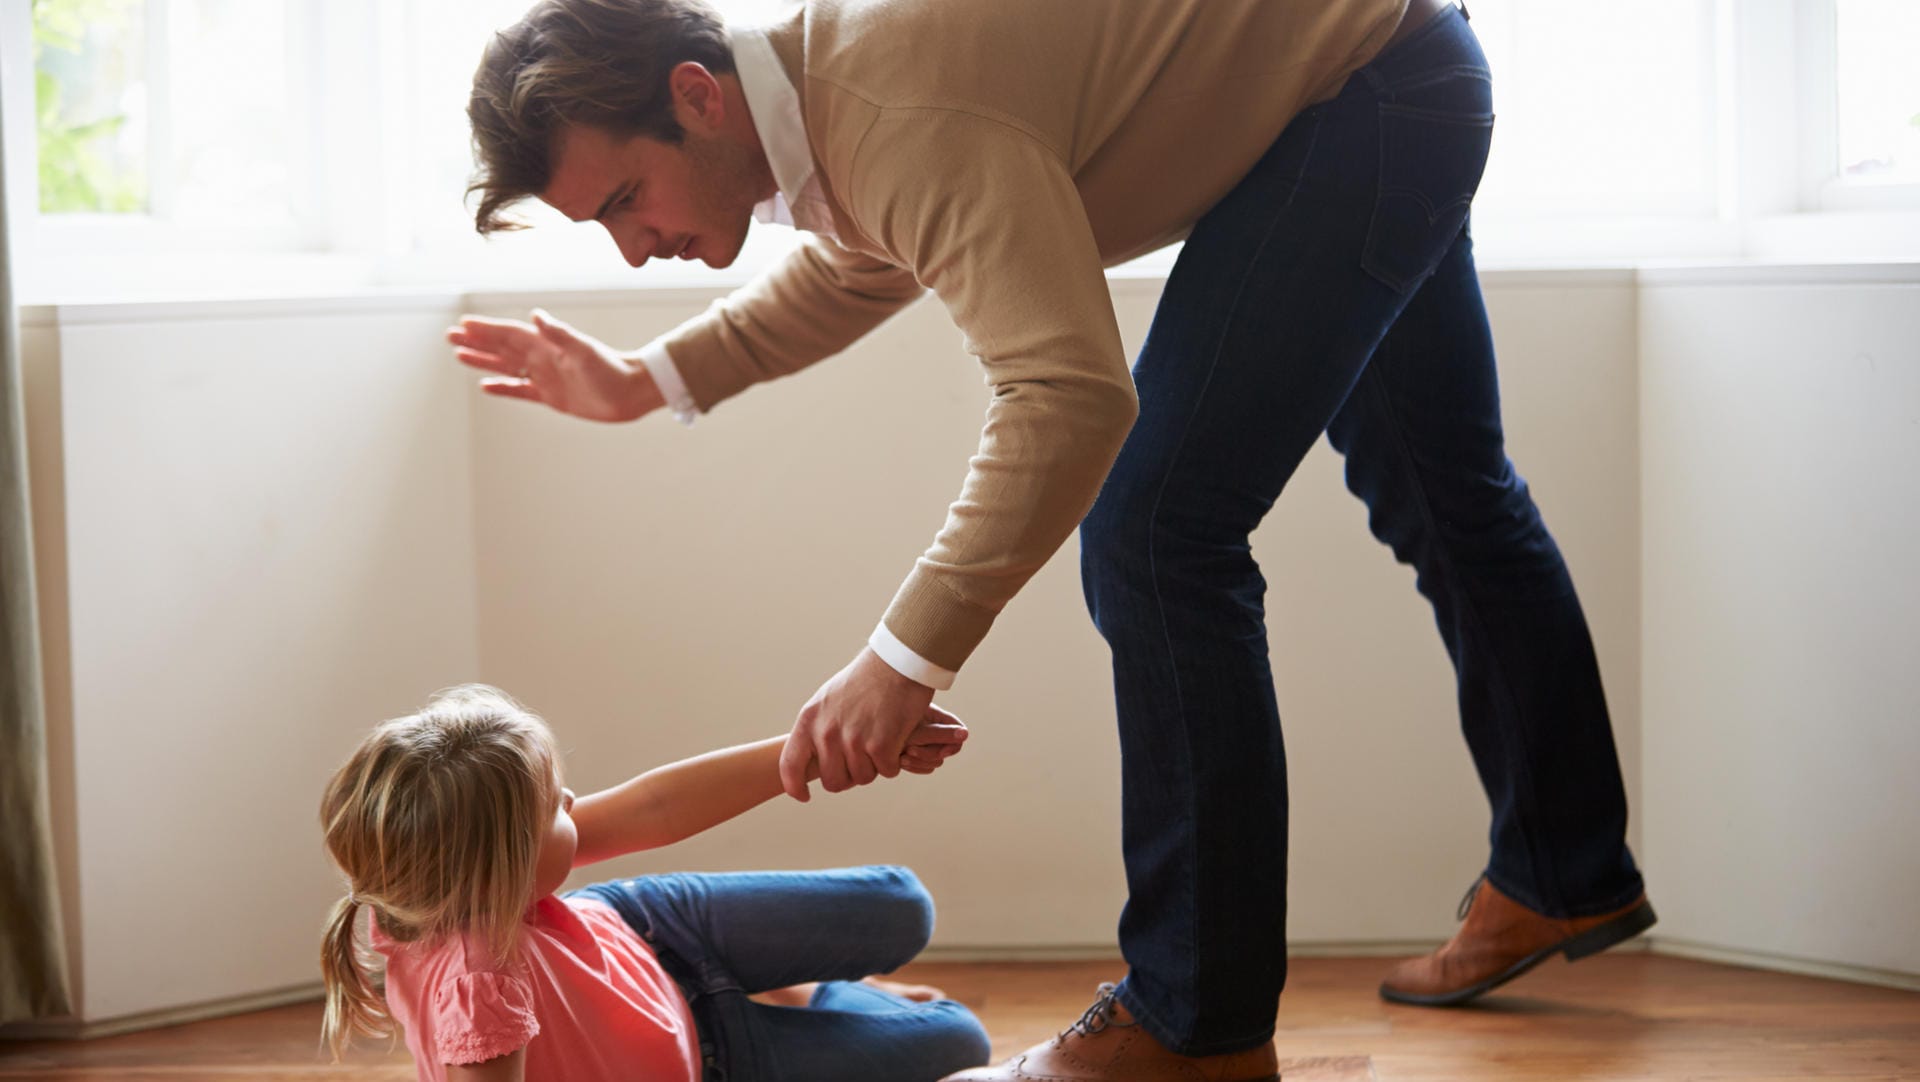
{"x":611,"y":199}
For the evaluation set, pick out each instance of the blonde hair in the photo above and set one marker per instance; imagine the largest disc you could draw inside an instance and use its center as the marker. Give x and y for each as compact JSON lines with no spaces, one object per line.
{"x":437,"y":820}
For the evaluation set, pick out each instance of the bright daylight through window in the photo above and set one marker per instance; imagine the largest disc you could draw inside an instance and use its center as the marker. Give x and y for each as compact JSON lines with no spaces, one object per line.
{"x":181,"y":110}
{"x":1878,"y":106}
{"x":90,"y":105}
{"x":302,"y":126}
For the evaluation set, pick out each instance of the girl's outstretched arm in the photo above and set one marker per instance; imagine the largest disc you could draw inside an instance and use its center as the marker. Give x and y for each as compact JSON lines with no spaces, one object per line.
{"x":674,"y":802}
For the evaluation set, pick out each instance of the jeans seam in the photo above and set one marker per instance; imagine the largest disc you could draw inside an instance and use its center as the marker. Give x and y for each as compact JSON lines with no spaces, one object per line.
{"x":1405,"y":286}
{"x":1159,"y":496}
{"x":1426,"y":77}
{"x":1379,"y":191}
{"x":1388,"y":89}
{"x":1470,"y":610}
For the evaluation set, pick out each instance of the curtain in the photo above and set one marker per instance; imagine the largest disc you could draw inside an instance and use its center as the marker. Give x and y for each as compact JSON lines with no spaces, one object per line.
{"x":33,"y":967}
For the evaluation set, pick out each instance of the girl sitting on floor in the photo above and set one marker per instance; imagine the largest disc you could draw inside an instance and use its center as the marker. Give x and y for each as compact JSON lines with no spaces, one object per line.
{"x":454,"y":830}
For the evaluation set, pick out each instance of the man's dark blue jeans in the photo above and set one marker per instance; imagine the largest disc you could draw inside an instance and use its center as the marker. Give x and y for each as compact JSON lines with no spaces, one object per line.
{"x":1333,"y":290}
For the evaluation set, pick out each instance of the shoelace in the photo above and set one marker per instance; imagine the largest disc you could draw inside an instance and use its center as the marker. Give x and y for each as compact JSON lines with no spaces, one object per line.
{"x":1466,"y":900}
{"x":1099,"y":1016}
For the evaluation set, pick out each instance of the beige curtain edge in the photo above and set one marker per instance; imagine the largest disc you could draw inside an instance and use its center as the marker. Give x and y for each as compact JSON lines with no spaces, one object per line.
{"x":34,"y":979}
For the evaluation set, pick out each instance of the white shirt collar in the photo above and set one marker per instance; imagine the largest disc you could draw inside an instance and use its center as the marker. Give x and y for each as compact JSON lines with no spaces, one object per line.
{"x":775,"y":106}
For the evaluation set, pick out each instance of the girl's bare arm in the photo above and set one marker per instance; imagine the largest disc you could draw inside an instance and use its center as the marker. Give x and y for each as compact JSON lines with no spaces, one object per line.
{"x":511,"y":1067}
{"x":677,"y":801}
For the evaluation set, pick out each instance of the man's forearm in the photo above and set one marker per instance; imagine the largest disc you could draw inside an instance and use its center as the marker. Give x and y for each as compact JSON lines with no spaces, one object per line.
{"x":674,"y":802}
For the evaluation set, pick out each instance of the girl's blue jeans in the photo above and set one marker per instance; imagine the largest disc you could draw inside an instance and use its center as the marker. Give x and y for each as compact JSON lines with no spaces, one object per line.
{"x":1333,"y":290}
{"x":724,"y":937}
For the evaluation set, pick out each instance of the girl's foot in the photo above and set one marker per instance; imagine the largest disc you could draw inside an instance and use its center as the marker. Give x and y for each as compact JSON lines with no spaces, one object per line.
{"x":799,"y":995}
{"x":918,"y":993}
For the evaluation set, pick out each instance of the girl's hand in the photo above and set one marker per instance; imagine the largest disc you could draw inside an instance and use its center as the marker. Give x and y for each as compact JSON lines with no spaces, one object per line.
{"x":937,"y":738}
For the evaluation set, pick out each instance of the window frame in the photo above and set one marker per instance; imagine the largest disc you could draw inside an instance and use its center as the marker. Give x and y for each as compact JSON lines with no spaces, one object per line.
{"x":158,"y":230}
{"x":1776,"y":197}
{"x":1823,"y":189}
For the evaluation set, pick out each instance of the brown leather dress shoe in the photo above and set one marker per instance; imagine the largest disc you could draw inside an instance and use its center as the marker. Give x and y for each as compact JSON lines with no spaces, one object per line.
{"x":1107,"y":1045}
{"x":1502,"y":939}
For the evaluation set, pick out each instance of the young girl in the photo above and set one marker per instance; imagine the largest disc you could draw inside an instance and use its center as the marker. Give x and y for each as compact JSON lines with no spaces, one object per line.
{"x":453,"y":829}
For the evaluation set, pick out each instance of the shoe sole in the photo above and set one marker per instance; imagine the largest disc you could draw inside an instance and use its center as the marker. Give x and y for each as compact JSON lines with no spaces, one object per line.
{"x":1587,"y":943}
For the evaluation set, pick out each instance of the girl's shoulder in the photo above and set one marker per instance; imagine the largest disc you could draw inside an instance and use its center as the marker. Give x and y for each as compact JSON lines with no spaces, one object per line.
{"x":465,"y":1005}
{"x":549,"y":924}
{"x":451,"y":992}
{"x":429,"y":963}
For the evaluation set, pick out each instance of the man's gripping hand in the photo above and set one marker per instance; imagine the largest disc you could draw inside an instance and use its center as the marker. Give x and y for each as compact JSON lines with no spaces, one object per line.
{"x":856,"y":727}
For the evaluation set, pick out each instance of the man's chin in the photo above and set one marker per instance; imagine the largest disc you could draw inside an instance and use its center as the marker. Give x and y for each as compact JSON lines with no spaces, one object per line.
{"x":723,"y":258}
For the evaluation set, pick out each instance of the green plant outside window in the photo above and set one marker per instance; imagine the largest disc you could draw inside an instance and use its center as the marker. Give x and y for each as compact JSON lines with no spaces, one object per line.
{"x":86,"y":55}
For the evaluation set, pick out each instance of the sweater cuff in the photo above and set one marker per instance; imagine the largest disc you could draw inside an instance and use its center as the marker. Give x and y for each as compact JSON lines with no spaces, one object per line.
{"x":666,"y":376}
{"x":934,"y":623}
{"x":711,"y":375}
{"x":907,"y":663}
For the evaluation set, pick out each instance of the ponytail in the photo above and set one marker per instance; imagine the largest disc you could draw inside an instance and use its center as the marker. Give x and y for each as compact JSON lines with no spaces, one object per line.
{"x":435,"y":821}
{"x":354,"y":1005}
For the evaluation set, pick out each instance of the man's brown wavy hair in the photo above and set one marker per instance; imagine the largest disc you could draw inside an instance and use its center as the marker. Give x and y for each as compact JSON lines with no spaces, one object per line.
{"x":600,"y":63}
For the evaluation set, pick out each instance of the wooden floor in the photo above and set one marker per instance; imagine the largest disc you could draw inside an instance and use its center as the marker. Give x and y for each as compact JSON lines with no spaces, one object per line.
{"x":1623,"y":1016}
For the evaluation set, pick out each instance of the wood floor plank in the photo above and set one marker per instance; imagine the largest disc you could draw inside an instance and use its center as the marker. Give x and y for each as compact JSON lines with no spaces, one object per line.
{"x":1626,"y":1016}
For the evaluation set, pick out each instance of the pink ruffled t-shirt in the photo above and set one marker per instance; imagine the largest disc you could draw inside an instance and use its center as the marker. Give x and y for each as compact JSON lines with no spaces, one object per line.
{"x":585,"y":997}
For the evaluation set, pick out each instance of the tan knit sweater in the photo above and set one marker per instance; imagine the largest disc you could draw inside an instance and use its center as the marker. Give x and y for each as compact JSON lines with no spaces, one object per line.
{"x":1001,"y":153}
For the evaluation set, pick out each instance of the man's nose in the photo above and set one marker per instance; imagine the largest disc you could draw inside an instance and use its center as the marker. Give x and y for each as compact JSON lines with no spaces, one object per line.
{"x":636,"y":245}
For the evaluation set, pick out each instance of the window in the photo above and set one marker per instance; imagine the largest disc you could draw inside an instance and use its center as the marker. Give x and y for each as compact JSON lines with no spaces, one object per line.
{"x":1868,"y":148}
{"x":138,"y":118}
{"x":1642,"y":129}
{"x":90,"y":106}
{"x":331,"y":134}
{"x":1604,"y":109}
{"x":446,"y":37}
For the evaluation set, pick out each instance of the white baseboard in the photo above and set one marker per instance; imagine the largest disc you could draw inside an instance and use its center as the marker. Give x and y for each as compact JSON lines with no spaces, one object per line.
{"x":1361,"y":948}
{"x":1782,"y":963}
{"x":1098,"y":952}
{"x":74,"y":1029}
{"x":1066,"y":952}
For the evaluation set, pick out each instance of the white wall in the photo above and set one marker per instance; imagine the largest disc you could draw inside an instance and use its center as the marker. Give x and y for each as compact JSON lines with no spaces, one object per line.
{"x":259,"y":533}
{"x":1389,"y":821}
{"x":271,"y":525}
{"x":1781,"y":418}
{"x":657,"y":591}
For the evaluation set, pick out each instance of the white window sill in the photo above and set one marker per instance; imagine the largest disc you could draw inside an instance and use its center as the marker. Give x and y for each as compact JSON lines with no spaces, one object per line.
{"x":387,"y":299}
{"x":583,"y":263}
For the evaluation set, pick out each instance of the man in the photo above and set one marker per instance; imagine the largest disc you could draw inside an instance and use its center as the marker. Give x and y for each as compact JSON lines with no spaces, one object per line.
{"x":1318,"y":157}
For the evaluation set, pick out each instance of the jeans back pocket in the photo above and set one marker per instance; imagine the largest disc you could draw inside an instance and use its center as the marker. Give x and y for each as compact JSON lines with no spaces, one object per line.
{"x":1430,"y":167}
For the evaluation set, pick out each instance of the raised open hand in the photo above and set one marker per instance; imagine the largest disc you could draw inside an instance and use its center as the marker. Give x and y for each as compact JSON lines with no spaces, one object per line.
{"x":548,"y":361}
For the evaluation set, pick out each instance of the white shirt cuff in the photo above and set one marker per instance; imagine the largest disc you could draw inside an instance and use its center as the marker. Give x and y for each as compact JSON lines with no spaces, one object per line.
{"x":666,"y":376}
{"x":907,"y":663}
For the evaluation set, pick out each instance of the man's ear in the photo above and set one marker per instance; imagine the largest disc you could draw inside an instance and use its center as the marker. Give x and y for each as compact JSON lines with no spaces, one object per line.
{"x":698,"y":103}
